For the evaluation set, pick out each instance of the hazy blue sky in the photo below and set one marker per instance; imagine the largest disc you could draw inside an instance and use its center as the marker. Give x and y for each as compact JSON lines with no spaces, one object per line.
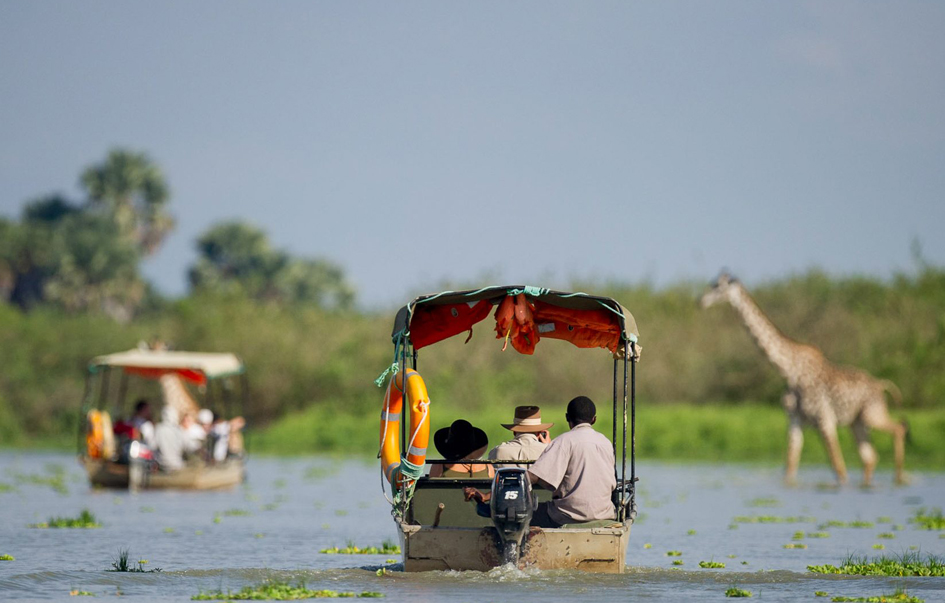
{"x":535,"y":142}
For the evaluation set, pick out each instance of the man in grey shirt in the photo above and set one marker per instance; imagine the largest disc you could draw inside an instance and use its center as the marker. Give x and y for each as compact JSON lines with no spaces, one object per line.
{"x":578,"y":466}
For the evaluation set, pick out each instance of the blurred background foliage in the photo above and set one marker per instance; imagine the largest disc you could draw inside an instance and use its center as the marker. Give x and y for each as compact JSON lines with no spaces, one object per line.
{"x":69,"y":277}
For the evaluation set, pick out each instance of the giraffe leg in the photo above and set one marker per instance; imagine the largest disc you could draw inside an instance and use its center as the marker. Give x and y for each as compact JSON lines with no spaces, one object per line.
{"x":878,"y":418}
{"x":795,"y":441}
{"x":828,"y":431}
{"x":867,"y":452}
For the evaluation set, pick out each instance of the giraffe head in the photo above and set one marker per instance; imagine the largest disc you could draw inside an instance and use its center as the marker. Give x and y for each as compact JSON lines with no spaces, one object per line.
{"x":720,"y":290}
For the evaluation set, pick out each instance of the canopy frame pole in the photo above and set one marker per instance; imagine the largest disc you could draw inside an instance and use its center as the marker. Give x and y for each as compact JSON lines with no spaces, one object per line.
{"x":623,"y":470}
{"x":633,"y":416}
{"x":613,"y":439}
{"x":403,"y":423}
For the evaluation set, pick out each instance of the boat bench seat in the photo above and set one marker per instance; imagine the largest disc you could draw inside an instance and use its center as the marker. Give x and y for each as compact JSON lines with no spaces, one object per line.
{"x":457,"y":512}
{"x":597,"y":523}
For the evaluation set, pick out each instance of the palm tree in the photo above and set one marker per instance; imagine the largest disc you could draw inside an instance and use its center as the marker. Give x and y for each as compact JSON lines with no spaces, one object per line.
{"x":132,"y":189}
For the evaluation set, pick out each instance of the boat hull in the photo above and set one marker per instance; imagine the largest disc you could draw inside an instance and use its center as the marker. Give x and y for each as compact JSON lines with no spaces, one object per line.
{"x":108,"y":474}
{"x":591,"y":549}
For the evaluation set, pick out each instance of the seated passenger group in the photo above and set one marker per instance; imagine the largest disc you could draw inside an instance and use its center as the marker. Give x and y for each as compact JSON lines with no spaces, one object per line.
{"x":578,"y":466}
{"x":177,"y":438}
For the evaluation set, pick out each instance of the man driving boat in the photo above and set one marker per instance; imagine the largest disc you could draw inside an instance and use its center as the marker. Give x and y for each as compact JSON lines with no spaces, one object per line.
{"x":578,"y":466}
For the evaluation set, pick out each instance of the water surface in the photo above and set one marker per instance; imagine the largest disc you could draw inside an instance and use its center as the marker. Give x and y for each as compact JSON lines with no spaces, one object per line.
{"x":275,"y":524}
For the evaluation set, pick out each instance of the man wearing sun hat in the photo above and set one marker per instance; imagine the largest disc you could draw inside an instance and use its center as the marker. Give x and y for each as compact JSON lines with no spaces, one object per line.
{"x":531,"y":437}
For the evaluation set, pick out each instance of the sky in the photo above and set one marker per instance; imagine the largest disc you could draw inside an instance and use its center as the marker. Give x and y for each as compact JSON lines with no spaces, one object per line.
{"x":429,"y":144}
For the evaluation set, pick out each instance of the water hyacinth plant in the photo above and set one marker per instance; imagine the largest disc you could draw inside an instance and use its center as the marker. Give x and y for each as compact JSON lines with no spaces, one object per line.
{"x":712,"y":564}
{"x":84,"y":520}
{"x":673,"y":553}
{"x":908,"y":564}
{"x":7,"y":558}
{"x":387,"y":548}
{"x":737,"y":592}
{"x":279,"y":591}
{"x":900,"y":596}
{"x":932,"y":520}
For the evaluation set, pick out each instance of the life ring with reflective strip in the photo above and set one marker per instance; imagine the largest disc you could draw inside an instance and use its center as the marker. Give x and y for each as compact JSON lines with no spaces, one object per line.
{"x":419,"y":433}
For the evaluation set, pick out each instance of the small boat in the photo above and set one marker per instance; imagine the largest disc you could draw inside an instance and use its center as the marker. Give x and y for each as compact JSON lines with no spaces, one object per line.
{"x":113,"y":458}
{"x":438,"y":529}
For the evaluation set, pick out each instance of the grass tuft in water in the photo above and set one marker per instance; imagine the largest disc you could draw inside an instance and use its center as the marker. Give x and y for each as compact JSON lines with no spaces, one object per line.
{"x":84,"y":520}
{"x":737,"y":592}
{"x":122,"y":565}
{"x":773,"y":519}
{"x":764,"y":502}
{"x":387,"y":548}
{"x":712,"y":564}
{"x":279,"y":591}
{"x":833,"y":523}
{"x":900,"y":596}
{"x":932,"y":520}
{"x":7,"y":558}
{"x":907,"y":564}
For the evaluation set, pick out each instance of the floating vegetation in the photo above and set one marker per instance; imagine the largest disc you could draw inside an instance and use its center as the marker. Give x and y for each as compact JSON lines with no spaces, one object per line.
{"x":908,"y":564}
{"x":818,"y":534}
{"x":879,"y":546}
{"x":744,"y":563}
{"x":341,"y":512}
{"x":147,"y":509}
{"x":390,"y":560}
{"x":798,"y":536}
{"x":316,"y":472}
{"x":80,"y":593}
{"x":674,"y":553}
{"x":764,"y":502}
{"x":279,"y":591}
{"x":820,"y":593}
{"x":648,"y":546}
{"x":884,"y":519}
{"x":122,"y":565}
{"x":259,"y":535}
{"x":386,"y":548}
{"x":84,"y":520}
{"x":712,"y":564}
{"x":168,"y":530}
{"x":236,"y":513}
{"x":279,"y":483}
{"x":900,"y":596}
{"x":677,"y":561}
{"x":773,"y":519}
{"x":7,"y":558}
{"x":691,"y":532}
{"x":795,"y":545}
{"x":933,"y":520}
{"x":833,"y":523}
{"x":56,"y":481}
{"x":6,"y":487}
{"x":737,"y":592}
{"x":217,"y":518}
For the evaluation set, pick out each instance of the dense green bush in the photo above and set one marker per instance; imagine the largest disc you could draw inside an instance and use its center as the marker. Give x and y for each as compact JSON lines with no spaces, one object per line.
{"x":300,"y":357}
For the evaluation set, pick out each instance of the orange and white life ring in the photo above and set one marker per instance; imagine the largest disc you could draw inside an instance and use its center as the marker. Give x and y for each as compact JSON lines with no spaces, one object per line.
{"x":419,"y":433}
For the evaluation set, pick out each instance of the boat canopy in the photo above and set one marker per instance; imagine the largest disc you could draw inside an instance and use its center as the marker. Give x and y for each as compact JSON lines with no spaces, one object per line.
{"x":196,"y":367}
{"x":524,"y":315}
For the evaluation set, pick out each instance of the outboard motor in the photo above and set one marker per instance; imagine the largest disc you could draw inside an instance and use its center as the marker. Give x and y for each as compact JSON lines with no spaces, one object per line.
{"x":511,"y":509}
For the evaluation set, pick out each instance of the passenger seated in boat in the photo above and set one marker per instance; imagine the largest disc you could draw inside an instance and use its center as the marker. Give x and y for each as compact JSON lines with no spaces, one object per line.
{"x":226,"y":437}
{"x":578,"y":466}
{"x":459,"y":441}
{"x":141,"y":422}
{"x":169,"y":438}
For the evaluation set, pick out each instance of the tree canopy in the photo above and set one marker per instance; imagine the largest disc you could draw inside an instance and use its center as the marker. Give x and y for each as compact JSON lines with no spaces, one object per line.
{"x":237,"y":258}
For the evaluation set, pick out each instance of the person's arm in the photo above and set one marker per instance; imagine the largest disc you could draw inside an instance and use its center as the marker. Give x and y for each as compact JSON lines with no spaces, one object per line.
{"x":476,"y":495}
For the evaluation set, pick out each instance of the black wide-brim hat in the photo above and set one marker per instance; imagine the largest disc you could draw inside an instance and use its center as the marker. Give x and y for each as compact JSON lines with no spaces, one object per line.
{"x":459,"y":440}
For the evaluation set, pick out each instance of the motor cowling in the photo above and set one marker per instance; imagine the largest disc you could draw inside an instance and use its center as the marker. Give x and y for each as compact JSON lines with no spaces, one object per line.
{"x":511,"y":509}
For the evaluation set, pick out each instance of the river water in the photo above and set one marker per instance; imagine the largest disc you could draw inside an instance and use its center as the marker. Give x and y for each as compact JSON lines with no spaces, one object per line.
{"x":274,"y":526}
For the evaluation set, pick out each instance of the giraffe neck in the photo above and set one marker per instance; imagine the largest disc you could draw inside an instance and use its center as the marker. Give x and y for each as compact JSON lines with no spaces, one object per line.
{"x":776,"y":346}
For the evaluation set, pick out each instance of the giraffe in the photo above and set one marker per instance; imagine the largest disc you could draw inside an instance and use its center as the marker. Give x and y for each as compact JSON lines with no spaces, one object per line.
{"x":819,"y":392}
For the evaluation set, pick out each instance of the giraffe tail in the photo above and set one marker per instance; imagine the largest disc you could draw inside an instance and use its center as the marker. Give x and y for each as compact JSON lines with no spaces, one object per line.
{"x":893,"y":390}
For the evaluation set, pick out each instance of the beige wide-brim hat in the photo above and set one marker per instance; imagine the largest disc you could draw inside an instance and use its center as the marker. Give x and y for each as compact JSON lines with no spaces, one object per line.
{"x":527,"y":420}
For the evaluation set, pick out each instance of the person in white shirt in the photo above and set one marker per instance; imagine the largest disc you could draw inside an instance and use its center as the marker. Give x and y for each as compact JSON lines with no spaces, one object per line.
{"x":531,"y":438}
